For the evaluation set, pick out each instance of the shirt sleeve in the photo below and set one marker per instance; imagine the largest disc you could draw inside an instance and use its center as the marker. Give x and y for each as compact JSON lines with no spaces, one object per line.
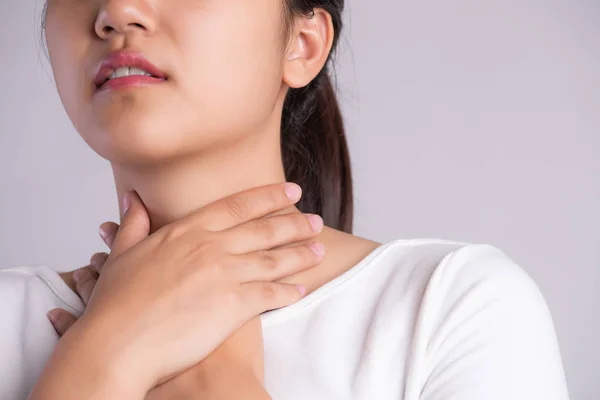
{"x":486,"y":332}
{"x":27,"y":337}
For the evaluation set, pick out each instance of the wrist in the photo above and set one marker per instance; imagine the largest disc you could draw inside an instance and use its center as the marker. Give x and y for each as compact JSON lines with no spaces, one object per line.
{"x":95,"y":347}
{"x":81,"y":369}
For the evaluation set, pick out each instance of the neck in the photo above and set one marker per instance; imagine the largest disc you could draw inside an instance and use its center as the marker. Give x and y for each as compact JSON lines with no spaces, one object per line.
{"x":173,"y":190}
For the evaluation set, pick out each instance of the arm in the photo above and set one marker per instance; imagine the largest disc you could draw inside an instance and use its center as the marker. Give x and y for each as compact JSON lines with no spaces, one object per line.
{"x":233,"y":371}
{"x":215,"y":380}
{"x":125,"y":325}
{"x":233,"y":385}
{"x":78,"y":369}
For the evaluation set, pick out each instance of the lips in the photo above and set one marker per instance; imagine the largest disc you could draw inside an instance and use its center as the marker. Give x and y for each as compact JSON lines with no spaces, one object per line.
{"x":131,"y":59}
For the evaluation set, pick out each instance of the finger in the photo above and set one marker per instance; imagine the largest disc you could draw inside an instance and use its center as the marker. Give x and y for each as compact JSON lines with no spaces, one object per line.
{"x":265,"y":296}
{"x":135,"y":226}
{"x":108,"y":231}
{"x":97,"y":261}
{"x":270,"y":232}
{"x":247,"y":205}
{"x":61,"y":320}
{"x":276,"y":264}
{"x":85,"y":281}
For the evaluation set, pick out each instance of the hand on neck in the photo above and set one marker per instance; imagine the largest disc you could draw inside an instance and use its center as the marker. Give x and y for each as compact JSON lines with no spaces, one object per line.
{"x":173,"y":190}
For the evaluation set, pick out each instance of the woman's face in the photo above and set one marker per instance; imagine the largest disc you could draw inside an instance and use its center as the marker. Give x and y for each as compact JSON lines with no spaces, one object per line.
{"x":223,"y":60}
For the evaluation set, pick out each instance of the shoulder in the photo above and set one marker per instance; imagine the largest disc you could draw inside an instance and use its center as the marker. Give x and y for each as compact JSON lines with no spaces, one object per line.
{"x":27,"y":338}
{"x":483,"y":328}
{"x":450,"y":268}
{"x":29,"y":286}
{"x":455,"y":278}
{"x":483,"y":264}
{"x":482,"y":274}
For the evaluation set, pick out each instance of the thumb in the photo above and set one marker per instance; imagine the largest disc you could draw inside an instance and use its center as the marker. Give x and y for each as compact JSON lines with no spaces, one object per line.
{"x":135,"y":225}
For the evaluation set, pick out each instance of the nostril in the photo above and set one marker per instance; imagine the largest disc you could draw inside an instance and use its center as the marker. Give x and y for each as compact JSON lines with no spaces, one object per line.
{"x":106,"y":30}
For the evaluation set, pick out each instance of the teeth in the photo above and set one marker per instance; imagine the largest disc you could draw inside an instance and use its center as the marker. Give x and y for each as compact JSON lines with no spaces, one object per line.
{"x":137,"y":71}
{"x":127,"y":71}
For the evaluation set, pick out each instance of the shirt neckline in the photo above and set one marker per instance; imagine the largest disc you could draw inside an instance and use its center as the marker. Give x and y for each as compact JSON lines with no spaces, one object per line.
{"x":77,"y":307}
{"x":274,"y":316}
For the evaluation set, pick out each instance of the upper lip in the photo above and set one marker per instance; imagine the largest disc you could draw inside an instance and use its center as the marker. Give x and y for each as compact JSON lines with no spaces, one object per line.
{"x":124,"y":58}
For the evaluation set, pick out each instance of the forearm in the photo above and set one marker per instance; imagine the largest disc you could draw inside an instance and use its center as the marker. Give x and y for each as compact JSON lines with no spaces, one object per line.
{"x":216,"y":378}
{"x":235,"y":370}
{"x":239,"y":388}
{"x":231,"y":382}
{"x":82,"y":368}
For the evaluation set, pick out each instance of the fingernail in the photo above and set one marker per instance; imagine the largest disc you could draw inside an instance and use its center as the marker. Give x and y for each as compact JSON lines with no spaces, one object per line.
{"x":318,"y":248}
{"x":126,"y":203}
{"x":53,"y":316}
{"x":316,"y":222}
{"x":293,"y":191}
{"x":103,"y":234}
{"x":301,"y":289}
{"x":106,"y":235}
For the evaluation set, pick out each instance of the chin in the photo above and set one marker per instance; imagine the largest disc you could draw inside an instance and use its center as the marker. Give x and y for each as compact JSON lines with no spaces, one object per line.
{"x":134,"y":140}
{"x":129,"y":129}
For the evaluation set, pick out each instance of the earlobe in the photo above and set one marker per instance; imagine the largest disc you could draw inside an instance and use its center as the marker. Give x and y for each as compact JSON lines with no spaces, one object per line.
{"x":309,"y":49}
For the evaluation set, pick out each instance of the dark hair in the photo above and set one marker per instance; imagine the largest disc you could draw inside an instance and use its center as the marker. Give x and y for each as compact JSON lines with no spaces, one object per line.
{"x":313,"y":142}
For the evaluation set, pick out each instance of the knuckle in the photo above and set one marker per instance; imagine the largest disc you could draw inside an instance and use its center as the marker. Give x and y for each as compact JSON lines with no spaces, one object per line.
{"x":98,"y":260}
{"x":268,"y":292}
{"x":264,"y":228}
{"x":85,"y":282}
{"x":299,"y":223}
{"x":303,"y":254}
{"x":267,"y":260}
{"x":273,"y":198}
{"x":173,"y":231}
{"x":237,"y":207}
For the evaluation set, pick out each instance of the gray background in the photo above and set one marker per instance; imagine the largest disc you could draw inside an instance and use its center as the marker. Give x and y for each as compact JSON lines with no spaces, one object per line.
{"x":468,"y":120}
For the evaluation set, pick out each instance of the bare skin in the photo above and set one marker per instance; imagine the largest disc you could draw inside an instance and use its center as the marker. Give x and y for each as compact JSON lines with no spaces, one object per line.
{"x":211,"y":377}
{"x":146,"y":320}
{"x":236,"y":360}
{"x":343,"y":252}
{"x":212,"y":129}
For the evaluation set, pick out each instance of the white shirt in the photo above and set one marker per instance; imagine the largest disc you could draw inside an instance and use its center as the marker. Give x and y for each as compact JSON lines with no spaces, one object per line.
{"x":416,"y":319}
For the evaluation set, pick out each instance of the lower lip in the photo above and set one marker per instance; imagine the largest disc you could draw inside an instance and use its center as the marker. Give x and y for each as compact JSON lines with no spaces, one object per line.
{"x":130,"y":82}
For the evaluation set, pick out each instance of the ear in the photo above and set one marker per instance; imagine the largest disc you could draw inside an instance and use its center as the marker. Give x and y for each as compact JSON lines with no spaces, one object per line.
{"x":308,"y":49}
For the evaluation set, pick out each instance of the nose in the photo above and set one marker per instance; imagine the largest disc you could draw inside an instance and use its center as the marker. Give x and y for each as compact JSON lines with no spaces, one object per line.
{"x":125,"y":17}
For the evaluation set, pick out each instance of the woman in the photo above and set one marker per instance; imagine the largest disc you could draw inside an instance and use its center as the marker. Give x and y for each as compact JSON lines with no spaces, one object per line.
{"x":204,"y":109}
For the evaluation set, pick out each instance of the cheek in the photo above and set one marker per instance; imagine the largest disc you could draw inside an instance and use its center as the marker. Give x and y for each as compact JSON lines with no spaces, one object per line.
{"x":69,"y":50}
{"x":231,"y":70}
{"x":226,"y":65}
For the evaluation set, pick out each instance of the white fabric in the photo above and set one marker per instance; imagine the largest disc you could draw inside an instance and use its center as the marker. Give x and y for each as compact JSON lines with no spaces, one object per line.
{"x":416,"y":319}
